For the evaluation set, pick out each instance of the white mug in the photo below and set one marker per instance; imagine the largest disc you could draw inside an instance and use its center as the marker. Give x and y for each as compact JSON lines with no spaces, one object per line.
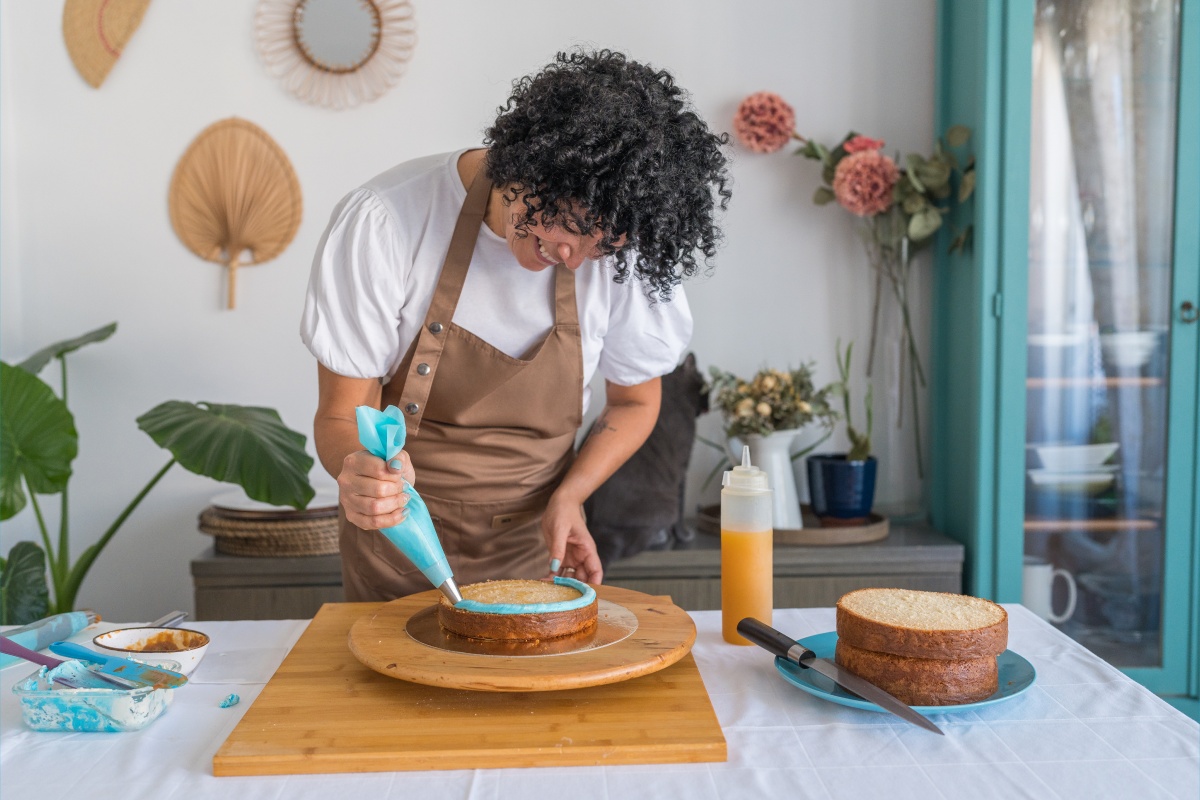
{"x":1037,"y":589}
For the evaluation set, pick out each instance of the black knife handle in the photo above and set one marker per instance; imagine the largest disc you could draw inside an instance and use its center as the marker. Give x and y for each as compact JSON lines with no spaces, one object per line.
{"x":767,"y":637}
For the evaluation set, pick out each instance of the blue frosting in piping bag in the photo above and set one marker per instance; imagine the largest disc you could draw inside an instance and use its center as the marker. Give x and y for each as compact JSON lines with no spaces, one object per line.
{"x":382,"y":433}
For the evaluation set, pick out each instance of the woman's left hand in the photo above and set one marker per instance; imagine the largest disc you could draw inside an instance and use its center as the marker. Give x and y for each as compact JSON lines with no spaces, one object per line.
{"x":570,"y":542}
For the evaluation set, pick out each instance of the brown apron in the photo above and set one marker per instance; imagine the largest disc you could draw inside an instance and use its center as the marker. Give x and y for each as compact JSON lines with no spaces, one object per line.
{"x":490,"y":436}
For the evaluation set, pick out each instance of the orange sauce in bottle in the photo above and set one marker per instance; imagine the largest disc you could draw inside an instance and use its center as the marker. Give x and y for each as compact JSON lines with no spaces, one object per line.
{"x":747,"y":532}
{"x":747,"y":568}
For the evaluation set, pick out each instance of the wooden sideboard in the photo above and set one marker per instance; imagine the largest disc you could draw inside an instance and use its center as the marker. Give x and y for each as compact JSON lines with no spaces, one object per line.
{"x":239,"y":587}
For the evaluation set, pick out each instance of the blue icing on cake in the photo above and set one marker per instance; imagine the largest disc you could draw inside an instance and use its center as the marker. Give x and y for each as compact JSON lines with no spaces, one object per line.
{"x":586,"y":598}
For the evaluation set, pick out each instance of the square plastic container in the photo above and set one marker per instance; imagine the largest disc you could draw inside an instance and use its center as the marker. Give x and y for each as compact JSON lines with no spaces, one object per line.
{"x":50,"y":706}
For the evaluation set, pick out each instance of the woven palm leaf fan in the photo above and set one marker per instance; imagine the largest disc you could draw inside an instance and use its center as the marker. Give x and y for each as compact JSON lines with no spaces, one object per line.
{"x":96,"y":31}
{"x":235,"y":192}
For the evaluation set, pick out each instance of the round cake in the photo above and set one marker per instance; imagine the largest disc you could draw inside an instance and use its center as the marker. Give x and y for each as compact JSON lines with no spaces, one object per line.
{"x":521,"y":610}
{"x":923,"y":681}
{"x":916,"y":624}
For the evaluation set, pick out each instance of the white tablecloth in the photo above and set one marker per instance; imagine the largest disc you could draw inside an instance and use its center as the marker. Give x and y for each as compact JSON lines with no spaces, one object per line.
{"x":1083,"y":731}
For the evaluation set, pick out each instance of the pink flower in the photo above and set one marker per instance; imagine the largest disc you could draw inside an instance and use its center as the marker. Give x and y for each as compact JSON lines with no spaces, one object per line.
{"x":860,"y":143}
{"x":764,"y":122}
{"x":862,"y":182}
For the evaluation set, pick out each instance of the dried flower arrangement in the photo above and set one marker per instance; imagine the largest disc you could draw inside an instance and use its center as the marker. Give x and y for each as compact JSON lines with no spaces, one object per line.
{"x":773,"y":400}
{"x":902,"y":208}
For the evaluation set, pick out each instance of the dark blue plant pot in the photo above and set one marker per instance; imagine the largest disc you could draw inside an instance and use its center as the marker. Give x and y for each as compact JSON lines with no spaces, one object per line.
{"x":841,"y":491}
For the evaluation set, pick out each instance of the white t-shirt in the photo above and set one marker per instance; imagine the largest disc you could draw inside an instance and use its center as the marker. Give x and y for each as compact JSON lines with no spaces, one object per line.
{"x":377,"y":267}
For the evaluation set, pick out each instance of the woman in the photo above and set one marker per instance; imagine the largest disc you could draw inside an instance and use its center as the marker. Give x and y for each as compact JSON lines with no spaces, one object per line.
{"x":479,"y":291}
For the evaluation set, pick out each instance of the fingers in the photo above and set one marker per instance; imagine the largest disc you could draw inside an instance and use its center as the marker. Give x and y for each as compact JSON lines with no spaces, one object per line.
{"x":371,"y":492}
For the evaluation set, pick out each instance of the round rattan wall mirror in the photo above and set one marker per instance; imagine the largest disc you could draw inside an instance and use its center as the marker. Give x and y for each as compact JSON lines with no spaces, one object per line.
{"x":335,"y":53}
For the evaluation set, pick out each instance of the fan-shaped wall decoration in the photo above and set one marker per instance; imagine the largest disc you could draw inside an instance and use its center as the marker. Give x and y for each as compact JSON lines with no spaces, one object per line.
{"x":235,"y":192}
{"x":96,"y":31}
{"x":335,"y":53}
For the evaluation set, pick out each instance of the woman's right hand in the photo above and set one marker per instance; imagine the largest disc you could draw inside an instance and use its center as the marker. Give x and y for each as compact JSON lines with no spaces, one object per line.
{"x":372,"y":492}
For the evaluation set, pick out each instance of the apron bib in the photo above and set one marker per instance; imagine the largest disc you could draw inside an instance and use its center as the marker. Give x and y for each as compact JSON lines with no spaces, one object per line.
{"x":490,"y":436}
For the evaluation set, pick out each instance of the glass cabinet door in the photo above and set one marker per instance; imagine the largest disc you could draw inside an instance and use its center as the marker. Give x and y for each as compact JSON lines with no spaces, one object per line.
{"x":1102,"y":194}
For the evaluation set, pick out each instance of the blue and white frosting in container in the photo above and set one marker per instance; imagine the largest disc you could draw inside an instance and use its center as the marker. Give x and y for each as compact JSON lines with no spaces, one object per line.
{"x":587,"y":596}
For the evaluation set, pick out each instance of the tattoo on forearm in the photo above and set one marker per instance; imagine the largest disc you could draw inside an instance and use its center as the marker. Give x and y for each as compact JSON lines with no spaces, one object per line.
{"x":600,"y":425}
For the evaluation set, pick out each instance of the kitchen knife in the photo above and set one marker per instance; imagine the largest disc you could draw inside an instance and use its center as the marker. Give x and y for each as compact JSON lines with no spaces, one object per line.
{"x":785,"y":647}
{"x":119,"y":667}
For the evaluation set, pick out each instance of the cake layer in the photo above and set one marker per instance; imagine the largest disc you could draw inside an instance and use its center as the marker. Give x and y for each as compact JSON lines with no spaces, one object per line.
{"x":923,"y":681}
{"x":915,"y":624}
{"x":504,"y":621}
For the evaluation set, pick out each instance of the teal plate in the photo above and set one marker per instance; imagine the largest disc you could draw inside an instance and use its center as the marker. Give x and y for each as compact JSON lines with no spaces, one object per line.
{"x":1016,"y":675}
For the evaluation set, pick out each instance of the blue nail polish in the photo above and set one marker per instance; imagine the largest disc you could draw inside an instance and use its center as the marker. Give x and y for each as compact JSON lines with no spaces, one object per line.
{"x":555,"y":564}
{"x":395,"y":464}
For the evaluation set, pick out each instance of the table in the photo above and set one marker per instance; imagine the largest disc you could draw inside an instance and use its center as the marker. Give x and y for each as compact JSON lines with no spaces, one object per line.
{"x":1084,"y":730}
{"x":911,"y":557}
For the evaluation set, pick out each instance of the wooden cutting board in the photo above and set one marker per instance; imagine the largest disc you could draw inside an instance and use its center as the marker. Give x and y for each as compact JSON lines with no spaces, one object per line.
{"x":324,"y":711}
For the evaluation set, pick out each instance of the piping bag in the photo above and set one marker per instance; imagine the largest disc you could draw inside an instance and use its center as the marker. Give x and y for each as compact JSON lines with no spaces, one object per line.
{"x":41,"y":634}
{"x":382,"y":433}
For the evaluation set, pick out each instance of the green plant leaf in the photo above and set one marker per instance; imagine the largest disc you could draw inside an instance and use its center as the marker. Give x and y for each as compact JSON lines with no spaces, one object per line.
{"x":24,"y":596}
{"x":823,"y":196}
{"x":924,"y":224}
{"x":934,"y":173}
{"x":911,"y":164}
{"x":37,"y":439}
{"x":958,"y":135}
{"x":245,"y":445}
{"x":967,"y":186}
{"x":41,"y":358}
{"x":914,"y":203}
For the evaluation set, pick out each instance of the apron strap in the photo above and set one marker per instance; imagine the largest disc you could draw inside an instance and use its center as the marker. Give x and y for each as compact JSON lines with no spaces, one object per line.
{"x":432,"y":338}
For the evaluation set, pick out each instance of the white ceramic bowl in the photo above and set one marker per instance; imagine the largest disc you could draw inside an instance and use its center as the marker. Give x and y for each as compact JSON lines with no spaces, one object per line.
{"x":1072,"y":482}
{"x":1075,"y":457}
{"x":1128,"y":349}
{"x":178,"y":644}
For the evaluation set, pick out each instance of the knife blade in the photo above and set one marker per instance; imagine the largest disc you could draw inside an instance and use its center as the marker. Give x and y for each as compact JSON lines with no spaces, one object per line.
{"x":788,"y":648}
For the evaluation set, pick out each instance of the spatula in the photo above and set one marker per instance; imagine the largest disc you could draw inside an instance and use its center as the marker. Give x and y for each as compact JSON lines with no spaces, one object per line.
{"x":19,"y":651}
{"x":121,"y":667}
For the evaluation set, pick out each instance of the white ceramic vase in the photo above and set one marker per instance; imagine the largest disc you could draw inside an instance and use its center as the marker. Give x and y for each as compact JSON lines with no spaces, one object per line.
{"x":772,"y":454}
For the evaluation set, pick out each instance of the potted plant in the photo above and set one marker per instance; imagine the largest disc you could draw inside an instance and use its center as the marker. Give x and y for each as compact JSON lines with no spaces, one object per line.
{"x":243,"y":445}
{"x":767,"y":413}
{"x":842,"y":485}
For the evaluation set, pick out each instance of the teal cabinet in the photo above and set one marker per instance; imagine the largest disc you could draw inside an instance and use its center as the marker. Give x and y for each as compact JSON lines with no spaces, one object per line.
{"x":1065,"y":368}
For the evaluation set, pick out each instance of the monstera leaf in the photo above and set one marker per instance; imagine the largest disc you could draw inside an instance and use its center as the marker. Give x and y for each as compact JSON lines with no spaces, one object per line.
{"x":37,"y":439}
{"x":245,"y":445}
{"x":24,"y":595}
{"x":41,"y":358}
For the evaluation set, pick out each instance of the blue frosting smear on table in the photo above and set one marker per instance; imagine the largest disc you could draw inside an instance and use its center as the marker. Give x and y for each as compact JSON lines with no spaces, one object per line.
{"x":382,"y":433}
{"x":587,"y":595}
{"x":1016,"y":675}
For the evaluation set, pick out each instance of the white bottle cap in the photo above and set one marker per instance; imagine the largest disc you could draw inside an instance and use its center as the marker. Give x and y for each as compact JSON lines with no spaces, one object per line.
{"x":746,"y":478}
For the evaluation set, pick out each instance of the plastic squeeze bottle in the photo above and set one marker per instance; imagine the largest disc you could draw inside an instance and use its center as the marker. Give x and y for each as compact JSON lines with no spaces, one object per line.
{"x":747,"y":568}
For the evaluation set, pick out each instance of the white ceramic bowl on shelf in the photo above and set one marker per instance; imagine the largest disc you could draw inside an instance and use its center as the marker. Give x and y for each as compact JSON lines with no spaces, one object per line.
{"x":1128,"y":349}
{"x":1075,"y":457}
{"x":1088,"y":482}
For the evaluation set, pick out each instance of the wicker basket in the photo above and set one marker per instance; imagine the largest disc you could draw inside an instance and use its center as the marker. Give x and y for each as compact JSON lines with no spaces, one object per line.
{"x":315,"y":535}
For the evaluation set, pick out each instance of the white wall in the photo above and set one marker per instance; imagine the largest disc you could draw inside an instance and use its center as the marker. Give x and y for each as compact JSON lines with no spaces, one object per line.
{"x":85,"y":237}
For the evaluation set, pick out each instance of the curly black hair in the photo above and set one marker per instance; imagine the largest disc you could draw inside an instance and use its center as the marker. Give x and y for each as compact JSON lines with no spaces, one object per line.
{"x":597,"y":142}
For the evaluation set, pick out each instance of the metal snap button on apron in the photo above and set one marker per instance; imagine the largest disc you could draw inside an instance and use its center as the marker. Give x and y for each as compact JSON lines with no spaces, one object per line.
{"x":435,"y":327}
{"x":422,"y":369}
{"x":412,"y":408}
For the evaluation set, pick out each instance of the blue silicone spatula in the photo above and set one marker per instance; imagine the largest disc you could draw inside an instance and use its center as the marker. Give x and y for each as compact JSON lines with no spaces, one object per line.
{"x":121,"y":667}
{"x":9,"y":647}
